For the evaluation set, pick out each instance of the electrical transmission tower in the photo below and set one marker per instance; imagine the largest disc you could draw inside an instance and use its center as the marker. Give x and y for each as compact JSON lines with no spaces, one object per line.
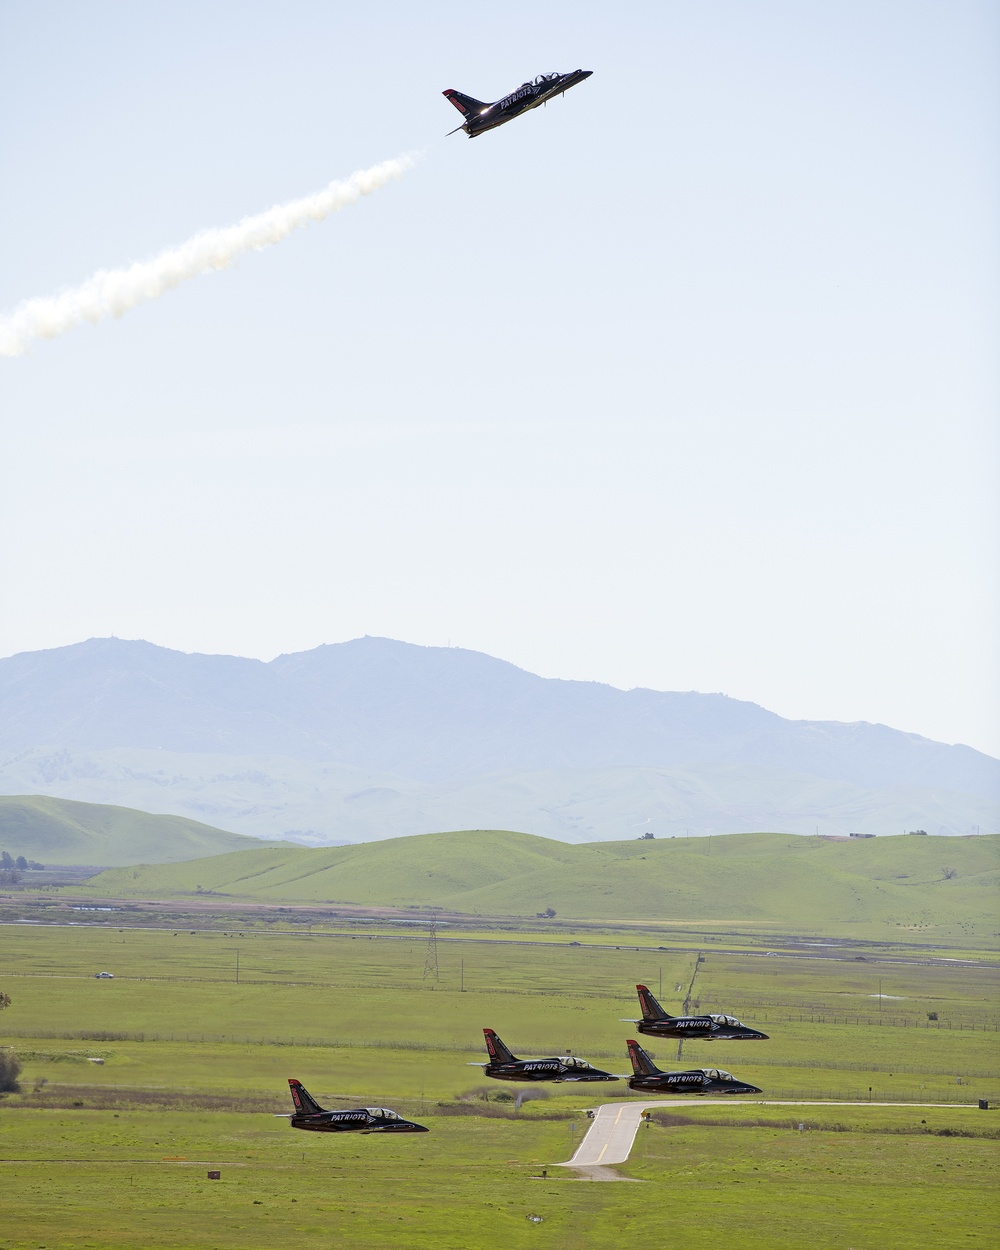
{"x":431,"y":958}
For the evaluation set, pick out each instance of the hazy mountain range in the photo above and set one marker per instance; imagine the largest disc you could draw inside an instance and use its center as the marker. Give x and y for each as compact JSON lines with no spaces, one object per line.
{"x":375,"y":738}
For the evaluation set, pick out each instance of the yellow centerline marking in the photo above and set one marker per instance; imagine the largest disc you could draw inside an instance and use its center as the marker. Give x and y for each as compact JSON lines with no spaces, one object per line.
{"x":613,"y":1127}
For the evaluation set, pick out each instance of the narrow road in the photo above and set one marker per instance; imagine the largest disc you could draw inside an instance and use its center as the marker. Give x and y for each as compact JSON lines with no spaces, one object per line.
{"x":609,"y":1139}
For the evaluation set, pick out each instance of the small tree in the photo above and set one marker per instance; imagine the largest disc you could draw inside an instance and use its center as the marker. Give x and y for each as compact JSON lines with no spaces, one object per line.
{"x":21,"y":863}
{"x":6,"y":860}
{"x":4,"y":1000}
{"x":647,"y":836}
{"x":948,"y":873}
{"x":10,"y":1070}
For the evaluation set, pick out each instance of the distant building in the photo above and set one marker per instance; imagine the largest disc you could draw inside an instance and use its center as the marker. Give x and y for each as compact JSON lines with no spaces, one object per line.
{"x":861,"y":835}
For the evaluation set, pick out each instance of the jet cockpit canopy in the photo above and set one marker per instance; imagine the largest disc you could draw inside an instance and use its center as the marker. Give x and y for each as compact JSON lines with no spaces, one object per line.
{"x":571,"y":1061}
{"x":717,"y":1074}
{"x":726,"y":1020}
{"x":382,"y":1113}
{"x":542,"y":78}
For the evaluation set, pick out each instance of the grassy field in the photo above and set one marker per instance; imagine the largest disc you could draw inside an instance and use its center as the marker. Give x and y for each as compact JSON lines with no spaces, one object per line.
{"x":866,"y":887}
{"x":116,"y":1154}
{"x":140,"y":1180}
{"x":62,"y":831}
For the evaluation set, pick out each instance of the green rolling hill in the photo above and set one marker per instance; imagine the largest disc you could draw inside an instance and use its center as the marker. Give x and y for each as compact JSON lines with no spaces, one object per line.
{"x":758,"y":878}
{"x":61,"y":831}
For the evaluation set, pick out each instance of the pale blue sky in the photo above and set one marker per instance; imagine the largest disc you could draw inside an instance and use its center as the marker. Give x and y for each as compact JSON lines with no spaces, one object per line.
{"x":686,"y":381}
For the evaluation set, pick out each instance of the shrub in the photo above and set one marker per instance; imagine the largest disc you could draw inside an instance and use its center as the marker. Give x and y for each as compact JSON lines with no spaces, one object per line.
{"x":10,"y":1070}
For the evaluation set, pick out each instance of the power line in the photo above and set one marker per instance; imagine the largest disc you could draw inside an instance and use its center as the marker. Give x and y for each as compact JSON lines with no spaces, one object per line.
{"x":431,"y":958}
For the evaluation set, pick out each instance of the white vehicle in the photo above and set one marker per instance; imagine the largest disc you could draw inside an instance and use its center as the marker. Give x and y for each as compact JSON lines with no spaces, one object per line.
{"x":104,"y":976}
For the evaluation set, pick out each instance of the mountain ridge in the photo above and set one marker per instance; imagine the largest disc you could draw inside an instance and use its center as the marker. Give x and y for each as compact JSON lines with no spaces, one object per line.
{"x":417,"y":736}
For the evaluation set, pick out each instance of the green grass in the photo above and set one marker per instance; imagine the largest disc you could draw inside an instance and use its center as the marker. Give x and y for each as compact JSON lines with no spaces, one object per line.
{"x":94,"y":1179}
{"x":61,"y":831}
{"x":330,"y":1002}
{"x":875,"y":886}
{"x":194,"y":1064}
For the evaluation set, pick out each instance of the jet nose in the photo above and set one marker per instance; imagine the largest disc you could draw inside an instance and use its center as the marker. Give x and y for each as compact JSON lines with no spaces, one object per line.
{"x":759,"y":1037}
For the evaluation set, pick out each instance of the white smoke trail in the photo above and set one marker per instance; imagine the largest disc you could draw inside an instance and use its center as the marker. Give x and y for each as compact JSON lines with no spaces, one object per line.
{"x":112,"y":292}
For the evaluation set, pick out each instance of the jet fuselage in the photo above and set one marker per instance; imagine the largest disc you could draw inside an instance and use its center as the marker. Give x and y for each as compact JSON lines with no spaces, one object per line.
{"x":361,"y":1120}
{"x":555,"y":1069}
{"x":503,"y":1065}
{"x":697,"y":1081}
{"x":700,"y":1028}
{"x":309,"y":1115}
{"x":656,"y":1022}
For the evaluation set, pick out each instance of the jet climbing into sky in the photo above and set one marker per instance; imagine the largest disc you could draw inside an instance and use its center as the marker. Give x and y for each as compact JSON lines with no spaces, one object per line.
{"x":480,"y":117}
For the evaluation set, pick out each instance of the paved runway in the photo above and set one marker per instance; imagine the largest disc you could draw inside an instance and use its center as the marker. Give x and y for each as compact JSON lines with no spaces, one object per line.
{"x":609,"y":1139}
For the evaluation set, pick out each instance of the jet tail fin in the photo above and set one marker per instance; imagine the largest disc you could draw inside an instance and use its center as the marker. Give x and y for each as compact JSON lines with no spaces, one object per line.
{"x":642,"y":1065}
{"x":466,"y":104}
{"x":651,"y":1009}
{"x":496,"y":1050}
{"x":304,"y":1102}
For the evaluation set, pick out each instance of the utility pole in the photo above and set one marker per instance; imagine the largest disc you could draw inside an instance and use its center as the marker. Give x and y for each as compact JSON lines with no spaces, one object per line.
{"x":431,"y":958}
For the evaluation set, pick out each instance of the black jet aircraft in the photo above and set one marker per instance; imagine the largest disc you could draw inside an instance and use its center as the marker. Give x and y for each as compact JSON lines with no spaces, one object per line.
{"x":646,"y":1076}
{"x":657,"y":1023}
{"x":308,"y":1114}
{"x":480,"y":117}
{"x":503,"y":1066}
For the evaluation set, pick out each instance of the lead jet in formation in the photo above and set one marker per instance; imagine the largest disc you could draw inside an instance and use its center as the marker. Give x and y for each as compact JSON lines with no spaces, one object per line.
{"x":480,"y":117}
{"x":308,"y":1114}
{"x":657,"y":1023}
{"x":648,"y":1078}
{"x":503,"y":1066}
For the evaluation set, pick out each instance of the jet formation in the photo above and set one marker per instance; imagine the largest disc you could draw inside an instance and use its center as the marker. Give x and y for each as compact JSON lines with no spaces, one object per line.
{"x":480,"y":116}
{"x":503,"y":1065}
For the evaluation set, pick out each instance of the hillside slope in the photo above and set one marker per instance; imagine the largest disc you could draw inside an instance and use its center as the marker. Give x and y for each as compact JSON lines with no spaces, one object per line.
{"x":319,"y":803}
{"x":766,"y":878}
{"x":60,"y":831}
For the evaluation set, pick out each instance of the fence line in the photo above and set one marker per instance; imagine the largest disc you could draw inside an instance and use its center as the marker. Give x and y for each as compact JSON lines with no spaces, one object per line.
{"x":453,"y":1047}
